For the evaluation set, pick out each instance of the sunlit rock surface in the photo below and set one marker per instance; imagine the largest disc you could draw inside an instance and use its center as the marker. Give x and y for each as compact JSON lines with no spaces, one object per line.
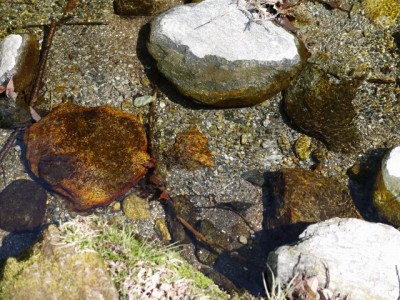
{"x":91,"y":156}
{"x":304,"y":196}
{"x":55,"y":270}
{"x":387,"y":189}
{"x":354,"y":257}
{"x":19,"y":57}
{"x":211,"y":53}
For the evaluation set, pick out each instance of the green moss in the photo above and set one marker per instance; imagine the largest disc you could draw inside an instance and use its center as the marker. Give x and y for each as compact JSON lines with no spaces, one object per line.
{"x":382,"y":12}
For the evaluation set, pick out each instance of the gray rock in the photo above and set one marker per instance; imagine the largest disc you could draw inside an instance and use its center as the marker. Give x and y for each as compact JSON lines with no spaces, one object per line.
{"x":214,"y":54}
{"x":357,"y":258}
{"x":19,"y":57}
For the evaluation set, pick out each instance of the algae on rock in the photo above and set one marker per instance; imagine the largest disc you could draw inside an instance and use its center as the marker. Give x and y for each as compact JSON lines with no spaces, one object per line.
{"x":56,"y":271}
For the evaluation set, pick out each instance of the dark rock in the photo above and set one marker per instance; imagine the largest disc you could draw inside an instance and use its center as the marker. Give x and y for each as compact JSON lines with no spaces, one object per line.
{"x":22,"y":206}
{"x":321,"y":106}
{"x":204,"y":254}
{"x":91,"y":156}
{"x":143,"y":7}
{"x":187,"y":210}
{"x":305,"y":196}
{"x":210,"y":52}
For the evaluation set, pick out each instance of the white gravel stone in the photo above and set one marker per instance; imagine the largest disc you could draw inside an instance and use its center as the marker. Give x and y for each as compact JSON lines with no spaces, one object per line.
{"x":393,"y":163}
{"x":202,"y":28}
{"x":362,"y":258}
{"x":9,"y":51}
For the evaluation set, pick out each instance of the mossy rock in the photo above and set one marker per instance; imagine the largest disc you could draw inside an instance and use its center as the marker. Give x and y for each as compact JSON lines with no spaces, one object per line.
{"x":56,"y":271}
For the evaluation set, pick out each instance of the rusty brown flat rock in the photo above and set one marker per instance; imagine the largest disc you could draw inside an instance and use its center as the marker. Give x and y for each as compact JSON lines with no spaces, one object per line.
{"x":304,"y":196}
{"x":191,"y":149}
{"x":91,"y":156}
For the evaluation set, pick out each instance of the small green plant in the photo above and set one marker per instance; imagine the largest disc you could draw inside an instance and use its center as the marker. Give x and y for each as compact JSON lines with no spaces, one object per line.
{"x":139,"y":268}
{"x":277,"y":292}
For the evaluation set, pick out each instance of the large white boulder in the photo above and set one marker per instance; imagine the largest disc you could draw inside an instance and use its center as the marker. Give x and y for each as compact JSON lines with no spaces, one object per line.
{"x":356,"y":258}
{"x":216,"y":54}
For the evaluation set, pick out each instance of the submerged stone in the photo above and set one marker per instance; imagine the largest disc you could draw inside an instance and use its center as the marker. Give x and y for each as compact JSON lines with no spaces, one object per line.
{"x":22,"y":206}
{"x":136,"y":208}
{"x":91,"y":156}
{"x":321,"y":106}
{"x":387,"y":190}
{"x":382,"y":12}
{"x":19,"y":57}
{"x":143,"y":7}
{"x":191,"y":149}
{"x":304,"y":196}
{"x":211,"y":52}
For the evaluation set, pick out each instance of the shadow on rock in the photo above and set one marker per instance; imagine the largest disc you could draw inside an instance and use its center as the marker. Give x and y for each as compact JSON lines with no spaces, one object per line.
{"x":14,"y":244}
{"x":156,"y":78}
{"x":362,"y":179}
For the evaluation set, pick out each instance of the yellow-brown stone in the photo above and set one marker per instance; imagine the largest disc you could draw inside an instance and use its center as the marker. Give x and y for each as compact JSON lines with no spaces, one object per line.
{"x":305,"y":196}
{"x":191,"y":149}
{"x":91,"y":156}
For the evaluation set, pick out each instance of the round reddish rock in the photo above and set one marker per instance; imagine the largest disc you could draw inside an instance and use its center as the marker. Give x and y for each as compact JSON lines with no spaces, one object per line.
{"x":91,"y":156}
{"x":22,"y":206}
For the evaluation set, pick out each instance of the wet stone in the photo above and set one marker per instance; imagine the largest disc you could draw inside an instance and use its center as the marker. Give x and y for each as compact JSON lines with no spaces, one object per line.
{"x":321,"y":106}
{"x":143,"y":7}
{"x":135,"y":208}
{"x":304,"y":196}
{"x":186,"y":209}
{"x":191,"y":149}
{"x":22,"y":206}
{"x":302,"y":147}
{"x":91,"y":156}
{"x":387,"y":188}
{"x":206,"y":255}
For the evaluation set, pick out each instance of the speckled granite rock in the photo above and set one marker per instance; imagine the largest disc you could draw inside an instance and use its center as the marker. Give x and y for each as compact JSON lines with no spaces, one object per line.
{"x":143,"y":7}
{"x":57,"y":271}
{"x":211,"y":53}
{"x":321,"y":105}
{"x":22,"y":206}
{"x":360,"y":258}
{"x":91,"y":156}
{"x":304,"y":196}
{"x":19,"y":56}
{"x":387,"y":190}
